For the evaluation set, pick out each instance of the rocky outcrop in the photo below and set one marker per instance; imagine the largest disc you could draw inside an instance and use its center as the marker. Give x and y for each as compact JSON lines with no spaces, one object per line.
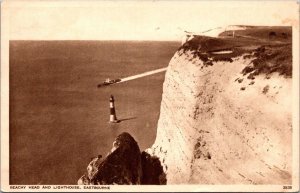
{"x":121,"y":166}
{"x":125,"y":164}
{"x":226,"y":113}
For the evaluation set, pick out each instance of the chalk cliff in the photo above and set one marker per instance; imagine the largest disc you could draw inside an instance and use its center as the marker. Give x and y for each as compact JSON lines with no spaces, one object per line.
{"x":225,"y":116}
{"x":226,"y":113}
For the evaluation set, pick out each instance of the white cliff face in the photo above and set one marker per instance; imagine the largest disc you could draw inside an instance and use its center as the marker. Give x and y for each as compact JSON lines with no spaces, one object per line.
{"x":218,"y":127}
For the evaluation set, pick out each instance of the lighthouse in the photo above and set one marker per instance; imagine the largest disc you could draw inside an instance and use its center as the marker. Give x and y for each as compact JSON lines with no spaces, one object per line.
{"x":112,"y":116}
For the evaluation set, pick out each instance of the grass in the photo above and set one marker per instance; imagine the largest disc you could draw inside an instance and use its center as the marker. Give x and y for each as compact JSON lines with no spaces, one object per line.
{"x":270,"y":49}
{"x":270,"y":59}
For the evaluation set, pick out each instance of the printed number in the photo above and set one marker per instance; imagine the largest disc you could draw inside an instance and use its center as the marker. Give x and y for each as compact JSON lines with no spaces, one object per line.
{"x":287,"y":187}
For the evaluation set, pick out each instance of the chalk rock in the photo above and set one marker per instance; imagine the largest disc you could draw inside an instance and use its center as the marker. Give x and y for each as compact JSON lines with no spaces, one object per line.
{"x":121,"y":166}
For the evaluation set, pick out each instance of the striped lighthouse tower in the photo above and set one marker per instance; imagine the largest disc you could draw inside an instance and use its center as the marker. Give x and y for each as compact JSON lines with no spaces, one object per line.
{"x":112,"y":117}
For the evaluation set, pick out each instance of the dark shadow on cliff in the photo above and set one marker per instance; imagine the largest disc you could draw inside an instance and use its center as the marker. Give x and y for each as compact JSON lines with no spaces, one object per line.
{"x":121,"y":166}
{"x":153,"y":173}
{"x":125,"y":164}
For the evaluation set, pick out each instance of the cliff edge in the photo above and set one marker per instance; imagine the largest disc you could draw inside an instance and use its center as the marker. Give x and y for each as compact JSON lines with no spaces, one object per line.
{"x":226,"y":113}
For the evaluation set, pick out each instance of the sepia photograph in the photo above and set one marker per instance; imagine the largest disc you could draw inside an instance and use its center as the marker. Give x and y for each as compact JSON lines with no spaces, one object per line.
{"x":150,"y":95}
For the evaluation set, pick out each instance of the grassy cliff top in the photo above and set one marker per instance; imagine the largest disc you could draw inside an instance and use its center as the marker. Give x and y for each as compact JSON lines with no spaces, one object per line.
{"x":269,"y":48}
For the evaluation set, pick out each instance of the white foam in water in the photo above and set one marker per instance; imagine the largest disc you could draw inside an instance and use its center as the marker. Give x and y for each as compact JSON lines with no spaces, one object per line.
{"x":143,"y":74}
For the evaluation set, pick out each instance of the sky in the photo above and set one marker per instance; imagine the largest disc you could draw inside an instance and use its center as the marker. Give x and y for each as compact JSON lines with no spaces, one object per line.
{"x":138,"y":20}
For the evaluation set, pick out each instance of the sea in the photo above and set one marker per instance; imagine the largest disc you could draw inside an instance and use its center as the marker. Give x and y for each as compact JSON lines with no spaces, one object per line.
{"x":59,"y":119}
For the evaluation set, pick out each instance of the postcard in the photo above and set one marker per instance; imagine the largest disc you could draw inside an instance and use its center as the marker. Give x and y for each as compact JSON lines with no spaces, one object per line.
{"x":149,"y":96}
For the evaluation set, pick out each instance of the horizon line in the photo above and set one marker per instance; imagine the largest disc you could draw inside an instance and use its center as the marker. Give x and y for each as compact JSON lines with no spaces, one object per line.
{"x":95,"y":40}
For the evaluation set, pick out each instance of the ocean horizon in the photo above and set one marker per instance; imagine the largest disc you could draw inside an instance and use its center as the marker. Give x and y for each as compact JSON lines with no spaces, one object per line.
{"x":58,"y":116}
